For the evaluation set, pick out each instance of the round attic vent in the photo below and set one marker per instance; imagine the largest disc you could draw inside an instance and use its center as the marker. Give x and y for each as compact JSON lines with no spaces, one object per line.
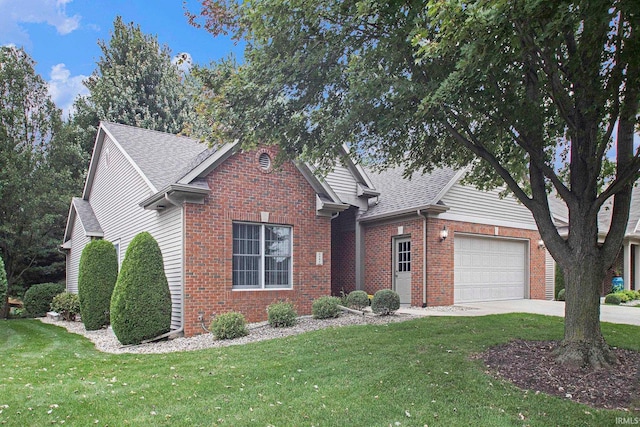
{"x":265,"y":162}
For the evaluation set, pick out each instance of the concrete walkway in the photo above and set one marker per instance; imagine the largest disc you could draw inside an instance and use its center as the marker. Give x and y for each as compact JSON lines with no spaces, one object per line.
{"x":608,"y":313}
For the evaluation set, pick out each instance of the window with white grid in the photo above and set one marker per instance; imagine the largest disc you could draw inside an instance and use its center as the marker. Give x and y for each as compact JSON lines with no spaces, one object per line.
{"x":261,"y":256}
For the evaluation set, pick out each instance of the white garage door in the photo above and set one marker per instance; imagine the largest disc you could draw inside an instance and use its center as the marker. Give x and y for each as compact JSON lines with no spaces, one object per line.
{"x":489,"y":269}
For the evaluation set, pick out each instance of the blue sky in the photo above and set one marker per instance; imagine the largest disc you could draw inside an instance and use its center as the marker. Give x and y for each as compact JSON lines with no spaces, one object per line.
{"x":62,"y":35}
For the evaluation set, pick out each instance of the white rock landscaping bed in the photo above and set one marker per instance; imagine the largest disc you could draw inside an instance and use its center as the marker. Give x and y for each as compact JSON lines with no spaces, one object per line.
{"x":106,"y":341}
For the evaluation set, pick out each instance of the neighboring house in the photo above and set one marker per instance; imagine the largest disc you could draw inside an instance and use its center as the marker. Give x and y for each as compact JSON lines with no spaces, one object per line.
{"x":627,"y":264}
{"x":439,"y":242}
{"x":237,"y":234}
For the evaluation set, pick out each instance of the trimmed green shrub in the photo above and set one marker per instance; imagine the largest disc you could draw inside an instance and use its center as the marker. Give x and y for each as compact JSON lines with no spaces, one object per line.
{"x":385,"y":302}
{"x":141,"y":302}
{"x":623,"y":297}
{"x":37,"y":299}
{"x":282,"y":314}
{"x":228,"y":326}
{"x":612,"y":299}
{"x":3,"y":283}
{"x":67,"y":305}
{"x":358,"y":300}
{"x":629,"y":295}
{"x":97,"y":275}
{"x":560,"y":296}
{"x":325,"y":307}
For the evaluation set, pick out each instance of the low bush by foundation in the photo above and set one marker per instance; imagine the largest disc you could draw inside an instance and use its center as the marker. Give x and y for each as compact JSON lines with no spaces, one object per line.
{"x":282,"y":314}
{"x":325,"y":307}
{"x":385,"y":302}
{"x":66,"y":305}
{"x":358,"y":300}
{"x":228,"y":326}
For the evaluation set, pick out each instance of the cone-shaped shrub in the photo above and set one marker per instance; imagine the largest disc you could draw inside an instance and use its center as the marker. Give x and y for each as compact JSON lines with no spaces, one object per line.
{"x":97,"y":275}
{"x":141,"y":302}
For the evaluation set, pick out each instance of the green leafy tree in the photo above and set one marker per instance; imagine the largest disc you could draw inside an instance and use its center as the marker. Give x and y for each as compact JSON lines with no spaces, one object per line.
{"x":97,"y":275}
{"x":135,"y":84}
{"x":513,"y":88}
{"x":141,"y":301}
{"x":82,"y":126}
{"x":37,"y":175}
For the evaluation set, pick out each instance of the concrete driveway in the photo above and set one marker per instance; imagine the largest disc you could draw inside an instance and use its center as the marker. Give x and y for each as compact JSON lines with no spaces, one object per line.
{"x":608,"y":313}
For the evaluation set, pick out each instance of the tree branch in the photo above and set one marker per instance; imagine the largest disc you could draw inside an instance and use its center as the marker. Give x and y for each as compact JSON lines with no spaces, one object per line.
{"x":478,"y":149}
{"x":546,"y":64}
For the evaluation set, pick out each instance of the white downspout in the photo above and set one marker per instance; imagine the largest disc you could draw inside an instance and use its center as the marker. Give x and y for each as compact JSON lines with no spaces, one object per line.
{"x":627,"y":264}
{"x":359,"y":257}
{"x":180,"y":330}
{"x":424,"y":258}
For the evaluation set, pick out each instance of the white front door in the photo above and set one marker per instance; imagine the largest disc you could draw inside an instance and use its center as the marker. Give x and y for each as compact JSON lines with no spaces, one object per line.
{"x":402,"y":269}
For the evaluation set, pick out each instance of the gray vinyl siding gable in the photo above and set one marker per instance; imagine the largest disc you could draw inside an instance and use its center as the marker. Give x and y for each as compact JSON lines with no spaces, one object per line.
{"x":341,"y":180}
{"x":78,"y":242}
{"x":115,"y":196}
{"x":469,"y":204}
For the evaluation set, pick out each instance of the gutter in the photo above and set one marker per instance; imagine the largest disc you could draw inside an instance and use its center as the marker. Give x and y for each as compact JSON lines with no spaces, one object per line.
{"x":426,"y":209}
{"x":171,"y":189}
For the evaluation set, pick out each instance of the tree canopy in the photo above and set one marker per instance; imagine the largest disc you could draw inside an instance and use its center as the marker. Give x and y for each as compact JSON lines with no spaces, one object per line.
{"x":135,"y":83}
{"x":534,"y":95}
{"x":37,"y":172}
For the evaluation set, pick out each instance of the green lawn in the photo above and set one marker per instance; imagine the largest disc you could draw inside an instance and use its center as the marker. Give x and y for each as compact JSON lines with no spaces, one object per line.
{"x":413,"y":373}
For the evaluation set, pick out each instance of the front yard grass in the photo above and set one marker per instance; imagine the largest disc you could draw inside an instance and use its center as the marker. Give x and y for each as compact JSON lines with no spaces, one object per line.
{"x":413,"y":373}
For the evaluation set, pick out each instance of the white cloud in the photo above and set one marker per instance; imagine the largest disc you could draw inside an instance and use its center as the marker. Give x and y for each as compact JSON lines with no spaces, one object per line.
{"x":183,"y":60}
{"x":64,"y":88}
{"x":14,"y":13}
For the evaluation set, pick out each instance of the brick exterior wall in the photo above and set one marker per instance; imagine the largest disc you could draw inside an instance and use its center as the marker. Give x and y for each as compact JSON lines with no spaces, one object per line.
{"x":240,"y":191}
{"x":378,"y":255}
{"x":343,"y":252}
{"x":440,"y":257}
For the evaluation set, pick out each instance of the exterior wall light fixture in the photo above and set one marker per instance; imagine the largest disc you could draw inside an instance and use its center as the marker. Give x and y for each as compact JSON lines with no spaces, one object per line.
{"x":444,"y":233}
{"x":540,"y":244}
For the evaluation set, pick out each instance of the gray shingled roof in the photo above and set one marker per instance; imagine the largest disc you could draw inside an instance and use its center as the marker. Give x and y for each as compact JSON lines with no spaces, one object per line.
{"x":87,"y":217}
{"x":604,"y":216}
{"x":398,"y":193}
{"x":558,"y":207}
{"x":163,"y":158}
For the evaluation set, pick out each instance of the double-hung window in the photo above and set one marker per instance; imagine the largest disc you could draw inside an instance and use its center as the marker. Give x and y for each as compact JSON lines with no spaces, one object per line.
{"x":261,"y":256}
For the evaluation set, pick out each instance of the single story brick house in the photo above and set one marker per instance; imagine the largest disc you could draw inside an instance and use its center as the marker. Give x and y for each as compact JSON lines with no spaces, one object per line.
{"x":238,"y":234}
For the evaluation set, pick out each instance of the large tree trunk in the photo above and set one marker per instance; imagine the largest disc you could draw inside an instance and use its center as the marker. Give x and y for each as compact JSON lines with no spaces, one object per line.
{"x":583,"y":343}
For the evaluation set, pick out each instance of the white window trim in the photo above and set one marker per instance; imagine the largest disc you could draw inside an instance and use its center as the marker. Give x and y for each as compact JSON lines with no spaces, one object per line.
{"x":262,"y":259}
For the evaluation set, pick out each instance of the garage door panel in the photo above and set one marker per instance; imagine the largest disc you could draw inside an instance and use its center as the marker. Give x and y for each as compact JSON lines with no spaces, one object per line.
{"x":489,"y":269}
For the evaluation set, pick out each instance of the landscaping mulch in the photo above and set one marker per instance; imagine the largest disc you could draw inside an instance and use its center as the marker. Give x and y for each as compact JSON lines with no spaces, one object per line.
{"x":531,"y":365}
